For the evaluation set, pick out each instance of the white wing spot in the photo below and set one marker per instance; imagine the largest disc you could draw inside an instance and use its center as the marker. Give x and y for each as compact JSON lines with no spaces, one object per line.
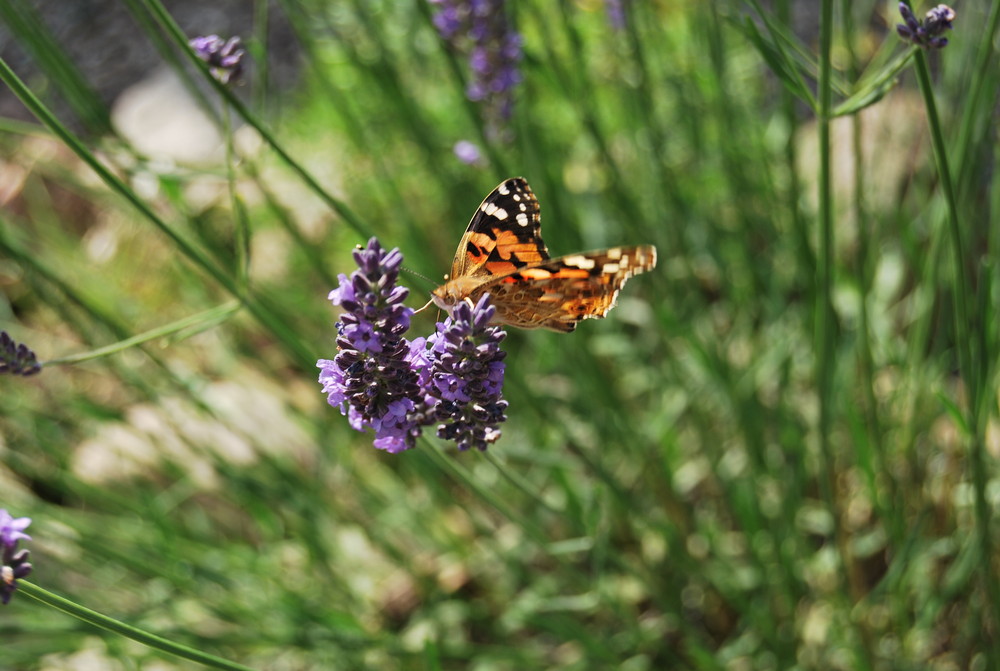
{"x":614,"y":253}
{"x":579,"y":261}
{"x":500,"y":213}
{"x":489,"y":208}
{"x":610,"y":268}
{"x":522,"y":219}
{"x":503,"y":190}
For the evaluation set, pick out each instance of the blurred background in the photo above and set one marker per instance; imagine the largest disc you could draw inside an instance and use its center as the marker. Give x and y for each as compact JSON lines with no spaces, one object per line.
{"x":778,"y":451}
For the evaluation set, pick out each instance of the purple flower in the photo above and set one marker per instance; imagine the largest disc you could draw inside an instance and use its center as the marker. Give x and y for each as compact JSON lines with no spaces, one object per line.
{"x":395,"y":387}
{"x":467,"y":152}
{"x":481,"y":30}
{"x":615,"y":10}
{"x":372,"y":380}
{"x":926,"y":33}
{"x":12,"y":530}
{"x":17,"y":359}
{"x":224,"y":57}
{"x":465,"y":375}
{"x":13,"y":562}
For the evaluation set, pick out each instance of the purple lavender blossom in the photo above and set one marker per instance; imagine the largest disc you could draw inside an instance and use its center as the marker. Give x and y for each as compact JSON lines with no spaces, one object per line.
{"x":466,"y":371}
{"x":481,"y":30}
{"x":468,"y":153}
{"x":371,"y":379}
{"x":926,"y":33}
{"x":615,"y":10}
{"x":382,"y":381}
{"x":224,"y":57}
{"x":17,"y":359}
{"x":13,"y":562}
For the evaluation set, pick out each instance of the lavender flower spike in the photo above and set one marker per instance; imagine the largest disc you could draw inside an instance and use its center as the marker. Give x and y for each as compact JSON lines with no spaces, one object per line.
{"x":13,"y":562}
{"x":371,"y":380}
{"x":466,"y":364}
{"x":481,"y":30}
{"x":926,"y":33}
{"x":17,"y":359}
{"x":224,"y":57}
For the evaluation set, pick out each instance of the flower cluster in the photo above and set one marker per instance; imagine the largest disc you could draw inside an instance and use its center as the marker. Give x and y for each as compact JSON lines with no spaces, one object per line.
{"x":926,"y":33}
{"x":224,"y":57}
{"x":396,"y":387}
{"x":481,"y":29}
{"x":371,"y":379}
{"x":13,"y":562}
{"x":466,"y":376}
{"x":16,"y":359}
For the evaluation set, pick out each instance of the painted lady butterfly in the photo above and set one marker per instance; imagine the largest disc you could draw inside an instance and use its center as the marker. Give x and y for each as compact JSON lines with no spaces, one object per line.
{"x":502,"y":253}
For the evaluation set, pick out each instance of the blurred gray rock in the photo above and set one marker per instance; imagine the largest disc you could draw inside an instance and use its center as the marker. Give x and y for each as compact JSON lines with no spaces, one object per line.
{"x":107,"y":44}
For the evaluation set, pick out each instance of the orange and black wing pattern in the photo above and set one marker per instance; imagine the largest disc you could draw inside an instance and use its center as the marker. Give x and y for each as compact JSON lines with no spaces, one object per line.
{"x":502,"y":254}
{"x":505,"y":233}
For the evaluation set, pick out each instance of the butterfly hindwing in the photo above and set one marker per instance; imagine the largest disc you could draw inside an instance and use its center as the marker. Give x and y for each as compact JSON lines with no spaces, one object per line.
{"x":558,"y":293}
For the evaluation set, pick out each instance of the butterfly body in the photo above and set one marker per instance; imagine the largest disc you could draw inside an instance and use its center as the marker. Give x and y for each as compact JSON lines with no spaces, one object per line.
{"x":502,"y":254}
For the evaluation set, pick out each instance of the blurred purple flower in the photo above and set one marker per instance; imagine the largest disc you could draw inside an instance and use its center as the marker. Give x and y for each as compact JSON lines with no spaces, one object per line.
{"x":468,"y":153}
{"x":15,"y":358}
{"x":13,"y":562}
{"x":615,"y":9}
{"x":926,"y":33}
{"x":466,"y":371}
{"x":224,"y":57}
{"x":11,"y":529}
{"x":371,"y":379}
{"x":481,"y":30}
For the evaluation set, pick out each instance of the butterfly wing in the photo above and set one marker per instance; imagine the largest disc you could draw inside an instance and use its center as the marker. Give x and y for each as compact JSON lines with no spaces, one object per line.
{"x":505,"y":233}
{"x":557,"y":294}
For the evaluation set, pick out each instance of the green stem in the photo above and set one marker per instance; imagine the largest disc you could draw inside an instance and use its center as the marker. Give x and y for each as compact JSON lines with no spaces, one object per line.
{"x":518,"y":481}
{"x":967,"y":359}
{"x":824,"y":265}
{"x":118,"y":627}
{"x":826,"y":326}
{"x":209,"y":317}
{"x":241,"y":222}
{"x":461,"y":475}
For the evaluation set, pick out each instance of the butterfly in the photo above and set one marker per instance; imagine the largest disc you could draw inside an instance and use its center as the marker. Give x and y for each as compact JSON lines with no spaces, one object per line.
{"x":502,"y":254}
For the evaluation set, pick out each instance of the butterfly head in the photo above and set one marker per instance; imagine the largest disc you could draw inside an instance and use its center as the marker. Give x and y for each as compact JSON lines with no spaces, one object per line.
{"x":451,"y":293}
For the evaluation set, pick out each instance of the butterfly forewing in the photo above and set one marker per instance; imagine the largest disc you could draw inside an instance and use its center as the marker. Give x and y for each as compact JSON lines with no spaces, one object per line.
{"x":505,"y":233}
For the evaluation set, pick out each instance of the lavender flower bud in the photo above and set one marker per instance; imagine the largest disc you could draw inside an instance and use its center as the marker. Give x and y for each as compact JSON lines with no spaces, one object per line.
{"x":13,"y":562}
{"x":927,"y":33}
{"x":224,"y":57}
{"x":17,"y":359}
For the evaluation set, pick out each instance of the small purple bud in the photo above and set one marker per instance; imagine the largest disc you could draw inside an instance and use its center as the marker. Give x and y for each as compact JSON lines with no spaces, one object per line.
{"x":467,"y":152}
{"x":17,"y":359}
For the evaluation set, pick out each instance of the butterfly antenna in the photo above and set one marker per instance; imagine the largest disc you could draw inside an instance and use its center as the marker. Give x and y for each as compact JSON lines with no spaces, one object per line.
{"x":416,"y":274}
